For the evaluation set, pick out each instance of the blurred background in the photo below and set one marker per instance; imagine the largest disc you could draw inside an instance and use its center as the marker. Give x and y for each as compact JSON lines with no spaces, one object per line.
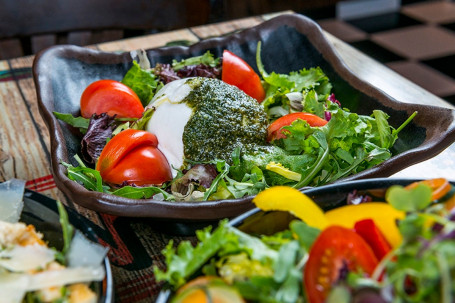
{"x":416,"y":38}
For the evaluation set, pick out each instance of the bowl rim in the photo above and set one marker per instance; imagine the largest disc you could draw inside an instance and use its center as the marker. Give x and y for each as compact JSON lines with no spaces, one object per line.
{"x":185,"y":211}
{"x":373,"y":183}
{"x":79,"y":222}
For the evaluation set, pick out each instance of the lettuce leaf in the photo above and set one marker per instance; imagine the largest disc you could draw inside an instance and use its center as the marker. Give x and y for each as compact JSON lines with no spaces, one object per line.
{"x":143,"y":82}
{"x":312,"y":83}
{"x":185,"y":260}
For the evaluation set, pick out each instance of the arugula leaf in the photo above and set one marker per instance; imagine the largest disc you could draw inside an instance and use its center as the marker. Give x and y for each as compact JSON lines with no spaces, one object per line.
{"x":88,"y":177}
{"x":386,"y":136}
{"x":207,"y":59}
{"x":312,"y":83}
{"x":67,"y":228}
{"x":143,"y":82}
{"x":142,"y":192}
{"x":141,"y":123}
{"x":223,"y":169}
{"x":251,"y":184}
{"x":316,"y":167}
{"x":78,"y":122}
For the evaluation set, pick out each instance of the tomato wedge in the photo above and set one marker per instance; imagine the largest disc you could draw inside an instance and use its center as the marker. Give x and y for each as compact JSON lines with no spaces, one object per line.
{"x":275,"y":132}
{"x":336,"y":247}
{"x":132,"y":156}
{"x":237,"y":72}
{"x":111,"y":97}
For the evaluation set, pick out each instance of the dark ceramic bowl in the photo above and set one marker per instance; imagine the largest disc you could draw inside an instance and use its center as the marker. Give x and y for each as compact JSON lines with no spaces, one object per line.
{"x":42,"y":212}
{"x":290,"y":43}
{"x":258,"y":222}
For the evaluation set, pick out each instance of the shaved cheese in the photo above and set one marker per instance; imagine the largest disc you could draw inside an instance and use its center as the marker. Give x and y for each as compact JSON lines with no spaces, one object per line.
{"x":11,"y":200}
{"x":27,"y":264}
{"x":11,"y":287}
{"x":25,"y":258}
{"x":84,"y":252}
{"x":12,"y":284}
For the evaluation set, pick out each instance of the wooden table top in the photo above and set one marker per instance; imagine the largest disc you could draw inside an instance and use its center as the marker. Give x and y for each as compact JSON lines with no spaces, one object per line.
{"x":25,"y":145}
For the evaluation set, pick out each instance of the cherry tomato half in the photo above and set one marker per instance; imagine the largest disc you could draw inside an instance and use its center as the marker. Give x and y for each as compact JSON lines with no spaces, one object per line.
{"x":275,"y":132}
{"x":111,"y":97}
{"x":132,"y":156}
{"x":334,"y":248}
{"x":237,"y":72}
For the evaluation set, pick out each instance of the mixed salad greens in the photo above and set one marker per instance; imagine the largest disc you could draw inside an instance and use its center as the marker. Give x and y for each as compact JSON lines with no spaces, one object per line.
{"x":219,"y":131}
{"x":30,"y":270}
{"x":348,"y":254}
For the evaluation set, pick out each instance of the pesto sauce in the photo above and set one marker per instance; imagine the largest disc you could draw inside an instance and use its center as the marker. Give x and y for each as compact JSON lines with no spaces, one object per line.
{"x":224,"y":118}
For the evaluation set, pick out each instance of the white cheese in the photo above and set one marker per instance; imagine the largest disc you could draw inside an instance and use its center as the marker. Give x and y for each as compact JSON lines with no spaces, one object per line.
{"x":169,"y":120}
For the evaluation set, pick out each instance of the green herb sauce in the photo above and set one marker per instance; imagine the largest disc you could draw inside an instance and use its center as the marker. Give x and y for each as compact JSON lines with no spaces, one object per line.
{"x":223,"y":119}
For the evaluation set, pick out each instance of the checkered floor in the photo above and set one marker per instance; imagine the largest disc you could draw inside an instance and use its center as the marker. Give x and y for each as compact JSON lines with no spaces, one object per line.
{"x":418,"y":42}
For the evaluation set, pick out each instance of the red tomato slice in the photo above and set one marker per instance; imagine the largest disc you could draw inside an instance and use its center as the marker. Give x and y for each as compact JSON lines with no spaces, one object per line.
{"x":132,"y":157}
{"x":333,"y":248}
{"x":275,"y":131}
{"x":111,"y":97}
{"x":237,"y":72}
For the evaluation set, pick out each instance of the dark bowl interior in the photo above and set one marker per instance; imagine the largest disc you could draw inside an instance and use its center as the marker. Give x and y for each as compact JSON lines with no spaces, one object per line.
{"x":258,"y":222}
{"x":289,"y":43}
{"x":42,"y":212}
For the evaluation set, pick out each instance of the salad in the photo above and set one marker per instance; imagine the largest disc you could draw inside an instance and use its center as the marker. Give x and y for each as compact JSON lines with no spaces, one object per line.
{"x":207,"y":128}
{"x":398,"y":250}
{"x":30,"y":270}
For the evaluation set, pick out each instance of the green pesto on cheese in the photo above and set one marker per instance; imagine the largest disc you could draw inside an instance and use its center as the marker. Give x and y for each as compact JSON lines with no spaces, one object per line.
{"x":223,"y":119}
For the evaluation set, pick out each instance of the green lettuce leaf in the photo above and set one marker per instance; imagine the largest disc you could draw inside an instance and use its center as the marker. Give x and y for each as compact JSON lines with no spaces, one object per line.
{"x":143,"y":82}
{"x":183,"y":261}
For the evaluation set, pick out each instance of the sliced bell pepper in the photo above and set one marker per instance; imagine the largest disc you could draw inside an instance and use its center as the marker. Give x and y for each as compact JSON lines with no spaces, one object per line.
{"x":132,"y":156}
{"x":383,"y":214}
{"x":368,"y":230}
{"x":284,"y":198}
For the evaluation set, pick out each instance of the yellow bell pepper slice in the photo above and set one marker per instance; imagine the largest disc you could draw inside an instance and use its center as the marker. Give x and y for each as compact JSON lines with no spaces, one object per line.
{"x":289,"y":199}
{"x":384,"y":216}
{"x":283,"y":171}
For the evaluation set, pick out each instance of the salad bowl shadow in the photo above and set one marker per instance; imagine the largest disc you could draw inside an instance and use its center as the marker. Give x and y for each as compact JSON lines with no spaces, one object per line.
{"x":42,"y":212}
{"x":258,"y":222}
{"x":289,"y":43}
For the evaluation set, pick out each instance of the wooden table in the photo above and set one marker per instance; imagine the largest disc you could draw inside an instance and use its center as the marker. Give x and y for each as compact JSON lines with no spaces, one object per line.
{"x":25,"y":150}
